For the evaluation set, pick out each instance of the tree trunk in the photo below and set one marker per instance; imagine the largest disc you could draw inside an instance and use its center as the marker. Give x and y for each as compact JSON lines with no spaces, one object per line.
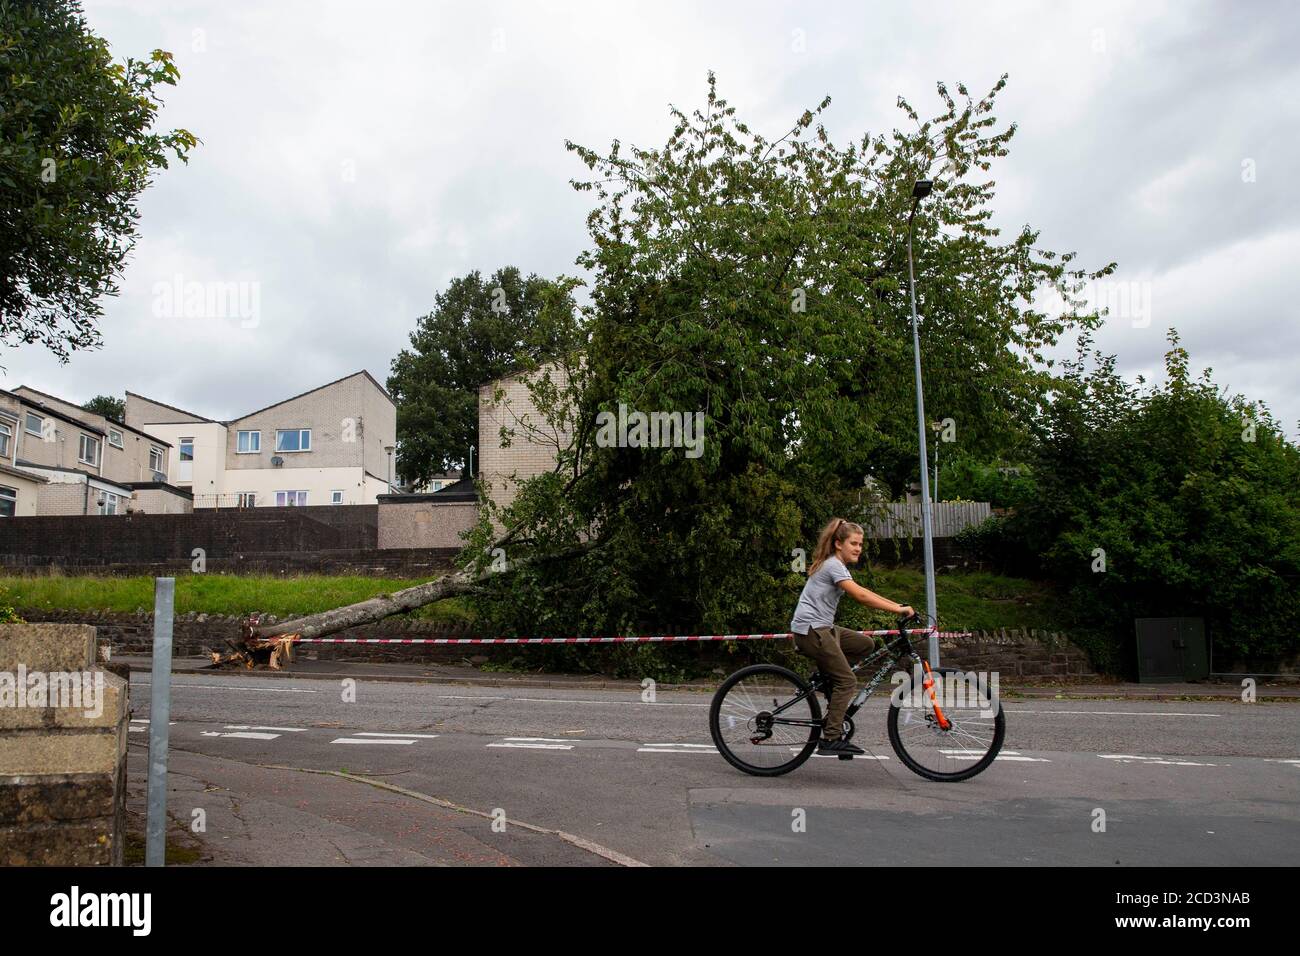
{"x":378,"y":608}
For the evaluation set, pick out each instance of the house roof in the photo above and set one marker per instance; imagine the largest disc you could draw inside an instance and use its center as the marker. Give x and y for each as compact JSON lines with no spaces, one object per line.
{"x":53,"y":412}
{"x":282,"y":401}
{"x":154,"y":401}
{"x":87,"y":476}
{"x":258,"y":411}
{"x":10,"y":470}
{"x":117,"y":424}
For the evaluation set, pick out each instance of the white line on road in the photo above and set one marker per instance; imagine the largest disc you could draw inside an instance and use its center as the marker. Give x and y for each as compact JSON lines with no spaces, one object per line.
{"x":181,"y":685}
{"x":531,"y":745}
{"x":375,"y":733}
{"x":1157,"y":761}
{"x":1111,"y":713}
{"x":287,"y":730}
{"x":386,"y":740}
{"x":241,"y":734}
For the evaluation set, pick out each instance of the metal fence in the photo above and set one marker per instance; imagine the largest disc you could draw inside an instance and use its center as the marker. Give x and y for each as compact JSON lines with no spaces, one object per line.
{"x":948,"y":518}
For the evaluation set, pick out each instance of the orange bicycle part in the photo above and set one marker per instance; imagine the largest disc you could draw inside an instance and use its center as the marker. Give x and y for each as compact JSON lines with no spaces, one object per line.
{"x":928,"y":684}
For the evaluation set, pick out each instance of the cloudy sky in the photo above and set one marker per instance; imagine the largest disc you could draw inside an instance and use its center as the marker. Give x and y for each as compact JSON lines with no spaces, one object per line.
{"x":356,"y":157}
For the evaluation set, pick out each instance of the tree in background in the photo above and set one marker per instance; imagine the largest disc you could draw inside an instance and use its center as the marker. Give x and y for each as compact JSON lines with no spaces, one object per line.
{"x":479,"y":330}
{"x":1169,"y":501}
{"x":76,"y":151}
{"x":108,"y":406}
{"x":762,"y":284}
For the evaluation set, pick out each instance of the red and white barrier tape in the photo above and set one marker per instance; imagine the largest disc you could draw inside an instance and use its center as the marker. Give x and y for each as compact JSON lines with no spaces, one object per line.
{"x":582,"y":640}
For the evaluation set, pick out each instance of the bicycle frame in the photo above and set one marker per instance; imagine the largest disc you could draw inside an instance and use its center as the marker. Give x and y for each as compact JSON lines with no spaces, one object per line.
{"x":894,"y":650}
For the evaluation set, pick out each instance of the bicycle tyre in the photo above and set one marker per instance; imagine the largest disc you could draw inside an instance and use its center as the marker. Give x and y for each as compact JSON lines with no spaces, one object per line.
{"x":719,"y":741}
{"x":895,"y":741}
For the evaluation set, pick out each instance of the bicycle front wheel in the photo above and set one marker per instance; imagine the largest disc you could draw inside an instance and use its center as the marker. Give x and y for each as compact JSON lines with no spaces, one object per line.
{"x":759,"y":722}
{"x":967,"y":745}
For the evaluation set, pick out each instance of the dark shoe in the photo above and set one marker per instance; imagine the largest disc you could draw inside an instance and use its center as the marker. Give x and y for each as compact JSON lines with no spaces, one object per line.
{"x":838,"y":748}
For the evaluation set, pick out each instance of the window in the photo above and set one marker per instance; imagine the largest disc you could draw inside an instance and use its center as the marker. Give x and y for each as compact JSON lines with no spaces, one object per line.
{"x":35,"y":424}
{"x":109,"y":503}
{"x":89,"y":452}
{"x":437,"y":486}
{"x":8,"y":502}
{"x":336,"y":497}
{"x":247,"y":499}
{"x":156,"y":459}
{"x":5,"y":435}
{"x":290,"y":498}
{"x":294,"y":439}
{"x":115,"y":438}
{"x":187,"y":449}
{"x":248,"y":442}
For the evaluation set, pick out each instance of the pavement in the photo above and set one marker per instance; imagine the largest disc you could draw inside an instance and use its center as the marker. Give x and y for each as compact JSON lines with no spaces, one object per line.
{"x":1010,"y":688}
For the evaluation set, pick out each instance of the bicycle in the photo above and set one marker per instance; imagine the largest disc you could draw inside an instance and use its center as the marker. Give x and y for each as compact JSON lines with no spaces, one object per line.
{"x":943,"y":741}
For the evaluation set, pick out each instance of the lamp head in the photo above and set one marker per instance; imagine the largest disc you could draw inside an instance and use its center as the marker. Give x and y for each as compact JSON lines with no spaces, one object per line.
{"x":922,"y":188}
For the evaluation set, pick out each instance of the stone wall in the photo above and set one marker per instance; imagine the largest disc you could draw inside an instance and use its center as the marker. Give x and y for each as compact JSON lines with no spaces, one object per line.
{"x":1011,"y":653}
{"x":62,"y":773}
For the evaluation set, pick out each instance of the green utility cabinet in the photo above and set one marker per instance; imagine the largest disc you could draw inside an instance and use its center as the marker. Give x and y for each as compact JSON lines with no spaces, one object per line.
{"x":1171,"y":649}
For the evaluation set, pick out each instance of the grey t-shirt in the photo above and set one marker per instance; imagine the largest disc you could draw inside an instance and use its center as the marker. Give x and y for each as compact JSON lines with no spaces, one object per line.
{"x":821,"y":596}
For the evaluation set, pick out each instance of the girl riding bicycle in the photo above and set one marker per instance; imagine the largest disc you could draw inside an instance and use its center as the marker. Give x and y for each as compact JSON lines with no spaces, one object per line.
{"x":815,"y":632}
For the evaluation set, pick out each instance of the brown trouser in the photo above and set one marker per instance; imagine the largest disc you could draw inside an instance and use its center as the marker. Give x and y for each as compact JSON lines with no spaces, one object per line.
{"x":835,"y":649}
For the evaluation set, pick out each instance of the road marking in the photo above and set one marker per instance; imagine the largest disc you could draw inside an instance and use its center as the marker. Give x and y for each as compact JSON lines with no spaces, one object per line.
{"x":287,"y":730}
{"x":1111,"y":713}
{"x":854,"y":756}
{"x":1293,"y":761}
{"x":1155,"y":761}
{"x":677,"y":749}
{"x":533,"y":743}
{"x":357,"y":740}
{"x":244,"y":735}
{"x":375,"y":733}
{"x":181,"y":685}
{"x":564,"y":700}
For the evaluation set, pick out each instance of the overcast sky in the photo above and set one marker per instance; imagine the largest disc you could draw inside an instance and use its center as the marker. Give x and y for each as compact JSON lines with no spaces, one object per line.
{"x":357,"y":156}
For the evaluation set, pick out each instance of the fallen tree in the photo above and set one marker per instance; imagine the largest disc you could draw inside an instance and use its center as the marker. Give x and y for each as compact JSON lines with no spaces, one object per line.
{"x":271,"y":645}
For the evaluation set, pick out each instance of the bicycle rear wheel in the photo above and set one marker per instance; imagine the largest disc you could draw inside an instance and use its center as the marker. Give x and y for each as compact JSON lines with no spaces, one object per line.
{"x":755,"y":725}
{"x":970,"y":742}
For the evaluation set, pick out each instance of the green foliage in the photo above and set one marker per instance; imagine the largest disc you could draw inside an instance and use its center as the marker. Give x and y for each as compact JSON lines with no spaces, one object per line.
{"x":108,"y":406}
{"x":479,"y":330}
{"x":1194,"y":497}
{"x":76,"y":151}
{"x":1002,"y":484}
{"x":762,"y":283}
{"x":216,"y":594}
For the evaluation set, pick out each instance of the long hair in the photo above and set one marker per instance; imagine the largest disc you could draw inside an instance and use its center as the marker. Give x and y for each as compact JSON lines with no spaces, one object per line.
{"x":836,"y":530}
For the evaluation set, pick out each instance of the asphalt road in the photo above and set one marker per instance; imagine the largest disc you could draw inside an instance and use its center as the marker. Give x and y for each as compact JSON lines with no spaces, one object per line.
{"x":1175,"y":783}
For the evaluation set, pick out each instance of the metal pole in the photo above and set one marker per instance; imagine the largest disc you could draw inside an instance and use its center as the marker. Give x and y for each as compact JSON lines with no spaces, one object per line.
{"x":471,"y":462}
{"x":164,"y":603}
{"x":932,"y":620}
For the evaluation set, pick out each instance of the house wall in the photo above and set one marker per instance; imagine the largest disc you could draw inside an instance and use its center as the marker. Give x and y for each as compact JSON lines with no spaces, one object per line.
{"x":526,"y":456}
{"x":335,"y":416}
{"x":207,"y":473}
{"x":317,"y":482}
{"x":28,"y":493}
{"x":160,"y":501}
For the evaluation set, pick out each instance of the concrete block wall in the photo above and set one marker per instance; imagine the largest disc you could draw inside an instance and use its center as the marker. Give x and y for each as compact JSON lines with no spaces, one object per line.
{"x":62,"y":770}
{"x":420,"y":523}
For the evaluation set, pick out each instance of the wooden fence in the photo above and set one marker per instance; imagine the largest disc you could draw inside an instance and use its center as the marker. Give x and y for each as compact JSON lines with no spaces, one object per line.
{"x":948,"y":518}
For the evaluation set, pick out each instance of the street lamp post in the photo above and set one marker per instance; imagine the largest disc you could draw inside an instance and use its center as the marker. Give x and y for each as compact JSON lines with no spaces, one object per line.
{"x":920,"y":190}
